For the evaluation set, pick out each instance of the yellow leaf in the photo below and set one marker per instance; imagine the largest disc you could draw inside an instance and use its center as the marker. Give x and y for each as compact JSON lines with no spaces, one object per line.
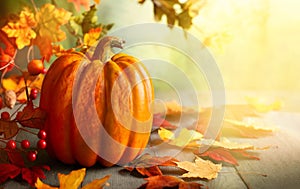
{"x":72,"y":180}
{"x":261,"y":105}
{"x":97,"y":1}
{"x":22,"y":29}
{"x":40,"y":185}
{"x":98,"y":183}
{"x":174,"y":108}
{"x":92,"y":36}
{"x":49,"y":19}
{"x":200,"y":169}
{"x":225,"y":143}
{"x":184,"y":138}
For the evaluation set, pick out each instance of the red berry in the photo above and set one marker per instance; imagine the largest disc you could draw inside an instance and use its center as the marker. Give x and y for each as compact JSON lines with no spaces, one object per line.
{"x":25,"y":144}
{"x":41,"y":144}
{"x":35,"y":67}
{"x":42,"y":134}
{"x":5,"y":116}
{"x":44,"y":71}
{"x":4,"y":60}
{"x":33,"y":93}
{"x":31,"y":155}
{"x":11,"y":144}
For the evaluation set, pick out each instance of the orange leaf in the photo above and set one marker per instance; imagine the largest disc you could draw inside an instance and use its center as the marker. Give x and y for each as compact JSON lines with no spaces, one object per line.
{"x":168,"y":182}
{"x":8,"y":129}
{"x":45,"y":46}
{"x":147,"y":165}
{"x":90,"y":38}
{"x":22,"y":29}
{"x":9,"y":43}
{"x":84,"y":3}
{"x":98,"y":183}
{"x":220,"y":154}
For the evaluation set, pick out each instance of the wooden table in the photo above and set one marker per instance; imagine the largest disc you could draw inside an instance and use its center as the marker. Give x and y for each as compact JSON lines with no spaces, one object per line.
{"x":278,"y":167}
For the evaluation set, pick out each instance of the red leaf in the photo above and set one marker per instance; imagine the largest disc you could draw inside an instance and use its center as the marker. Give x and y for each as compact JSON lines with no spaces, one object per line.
{"x":158,"y":121}
{"x":9,"y":43}
{"x":32,"y":174}
{"x":45,"y":46}
{"x":149,"y":171}
{"x":245,"y":154}
{"x":15,"y":158}
{"x":8,"y":171}
{"x":220,"y":154}
{"x":31,"y":117}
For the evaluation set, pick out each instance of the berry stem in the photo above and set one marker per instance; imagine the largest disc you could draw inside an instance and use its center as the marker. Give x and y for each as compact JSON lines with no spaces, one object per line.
{"x":27,"y":131}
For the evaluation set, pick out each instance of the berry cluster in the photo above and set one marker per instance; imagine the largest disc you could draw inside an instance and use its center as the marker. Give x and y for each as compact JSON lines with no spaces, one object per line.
{"x":25,"y":144}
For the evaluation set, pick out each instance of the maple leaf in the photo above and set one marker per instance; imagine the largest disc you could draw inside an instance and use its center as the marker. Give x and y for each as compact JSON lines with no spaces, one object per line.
{"x":31,"y":117}
{"x":90,"y":38}
{"x":159,"y":122}
{"x":147,"y":165}
{"x":200,"y":169}
{"x":49,"y":19}
{"x":45,"y":46}
{"x":247,"y":128}
{"x":165,"y":181}
{"x":8,"y":129}
{"x":22,"y":29}
{"x":72,"y":181}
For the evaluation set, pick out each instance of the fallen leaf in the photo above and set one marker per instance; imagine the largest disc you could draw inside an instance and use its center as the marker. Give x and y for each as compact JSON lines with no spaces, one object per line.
{"x":175,"y":109}
{"x":246,"y":128}
{"x":72,"y":181}
{"x":184,"y":139}
{"x":31,"y":117}
{"x":164,"y":181}
{"x":160,"y":122}
{"x":220,"y":155}
{"x":22,"y":30}
{"x":261,"y":105}
{"x":147,"y":165}
{"x":49,"y":19}
{"x":200,"y":169}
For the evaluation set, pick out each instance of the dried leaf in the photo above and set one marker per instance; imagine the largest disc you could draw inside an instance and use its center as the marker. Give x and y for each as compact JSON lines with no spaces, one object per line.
{"x":246,"y":128}
{"x":22,"y":29}
{"x":220,"y":155}
{"x":90,"y":38}
{"x":160,"y":182}
{"x":8,"y":129}
{"x":200,"y":169}
{"x":97,"y":183}
{"x":79,"y":3}
{"x":147,"y":165}
{"x":31,"y":117}
{"x":159,"y":122}
{"x":72,"y":181}
{"x":184,"y":139}
{"x":49,"y":19}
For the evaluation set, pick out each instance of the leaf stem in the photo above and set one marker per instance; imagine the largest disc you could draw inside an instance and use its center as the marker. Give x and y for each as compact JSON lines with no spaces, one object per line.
{"x":27,"y":131}
{"x":34,"y":6}
{"x":242,"y":178}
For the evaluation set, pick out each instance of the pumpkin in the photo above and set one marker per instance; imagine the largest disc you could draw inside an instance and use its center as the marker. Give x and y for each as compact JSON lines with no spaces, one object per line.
{"x":97,"y":112}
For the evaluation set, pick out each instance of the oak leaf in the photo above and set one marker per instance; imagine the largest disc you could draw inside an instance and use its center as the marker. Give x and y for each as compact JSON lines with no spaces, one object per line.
{"x":22,"y":30}
{"x":164,"y":181}
{"x":49,"y":19}
{"x":72,"y":181}
{"x":200,"y":169}
{"x":148,"y":165}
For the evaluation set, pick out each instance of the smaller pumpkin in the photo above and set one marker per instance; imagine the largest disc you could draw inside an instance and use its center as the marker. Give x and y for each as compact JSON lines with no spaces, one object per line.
{"x":97,"y":112}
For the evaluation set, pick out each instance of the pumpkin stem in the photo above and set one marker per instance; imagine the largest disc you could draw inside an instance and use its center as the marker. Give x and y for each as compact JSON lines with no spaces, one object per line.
{"x":103,"y":50}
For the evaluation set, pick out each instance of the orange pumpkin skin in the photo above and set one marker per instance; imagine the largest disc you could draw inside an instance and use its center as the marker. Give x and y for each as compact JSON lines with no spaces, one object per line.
{"x":86,"y":144}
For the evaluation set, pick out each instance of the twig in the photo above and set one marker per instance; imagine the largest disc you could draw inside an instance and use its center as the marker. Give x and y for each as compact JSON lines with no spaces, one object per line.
{"x":242,"y":178}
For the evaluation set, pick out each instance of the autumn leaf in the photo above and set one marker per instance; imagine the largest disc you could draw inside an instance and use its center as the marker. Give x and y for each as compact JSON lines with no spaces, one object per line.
{"x":72,"y":181}
{"x":90,"y":38}
{"x":79,"y":3}
{"x":200,"y":169}
{"x":185,"y":138}
{"x":160,"y":122}
{"x":8,"y":129}
{"x":165,"y":181}
{"x":49,"y":19}
{"x":8,"y":43}
{"x":220,"y":155}
{"x":22,"y":30}
{"x":58,"y":50}
{"x":45,"y":46}
{"x":31,"y":117}
{"x":8,"y":171}
{"x":148,"y":165}
{"x":173,"y":108}
{"x":247,"y":128}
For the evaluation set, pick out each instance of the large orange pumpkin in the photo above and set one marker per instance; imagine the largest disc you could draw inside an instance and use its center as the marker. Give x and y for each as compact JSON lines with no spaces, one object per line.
{"x":97,"y":112}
